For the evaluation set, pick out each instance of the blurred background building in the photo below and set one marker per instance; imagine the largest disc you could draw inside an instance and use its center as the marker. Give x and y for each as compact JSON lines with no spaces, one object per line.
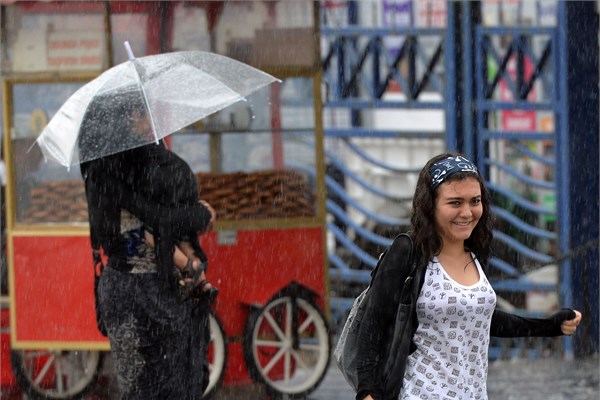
{"x":383,"y":85}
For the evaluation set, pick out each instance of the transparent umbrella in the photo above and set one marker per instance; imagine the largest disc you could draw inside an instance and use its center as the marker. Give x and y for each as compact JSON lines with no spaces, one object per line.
{"x":143,"y":100}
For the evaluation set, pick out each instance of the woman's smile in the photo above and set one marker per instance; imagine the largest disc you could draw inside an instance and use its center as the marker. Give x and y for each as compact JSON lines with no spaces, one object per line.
{"x":465,"y":223}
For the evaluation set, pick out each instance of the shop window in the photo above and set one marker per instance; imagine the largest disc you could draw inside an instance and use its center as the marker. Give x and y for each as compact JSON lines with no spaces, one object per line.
{"x":264,"y":34}
{"x":45,"y":191}
{"x":45,"y":37}
{"x":190,"y":28}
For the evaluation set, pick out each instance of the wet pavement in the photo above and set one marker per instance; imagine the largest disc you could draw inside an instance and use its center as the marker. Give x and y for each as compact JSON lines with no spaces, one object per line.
{"x":519,"y":379}
{"x":544,"y":379}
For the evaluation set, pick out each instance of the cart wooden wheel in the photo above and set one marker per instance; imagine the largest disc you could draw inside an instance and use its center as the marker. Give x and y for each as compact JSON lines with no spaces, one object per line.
{"x":55,"y":374}
{"x":287,"y":346}
{"x":217,"y":356}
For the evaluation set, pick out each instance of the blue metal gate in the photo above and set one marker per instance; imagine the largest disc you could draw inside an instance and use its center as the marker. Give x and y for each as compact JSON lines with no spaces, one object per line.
{"x":515,"y":69}
{"x":504,"y":95}
{"x":522,"y":140}
{"x":358,"y":70}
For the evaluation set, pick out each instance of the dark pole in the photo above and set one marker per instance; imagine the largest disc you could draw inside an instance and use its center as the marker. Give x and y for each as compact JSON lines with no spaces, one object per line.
{"x":583,"y":147}
{"x":467,"y":17}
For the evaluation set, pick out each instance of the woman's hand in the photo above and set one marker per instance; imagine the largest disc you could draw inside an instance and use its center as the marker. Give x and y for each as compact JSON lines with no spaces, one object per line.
{"x":569,"y":326}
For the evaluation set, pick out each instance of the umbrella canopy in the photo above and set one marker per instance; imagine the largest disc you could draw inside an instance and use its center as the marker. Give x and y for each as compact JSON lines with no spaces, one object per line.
{"x":143,"y":100}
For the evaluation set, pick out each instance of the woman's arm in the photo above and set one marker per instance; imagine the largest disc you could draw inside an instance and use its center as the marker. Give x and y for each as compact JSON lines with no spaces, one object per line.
{"x":185,"y":247}
{"x":509,"y":325}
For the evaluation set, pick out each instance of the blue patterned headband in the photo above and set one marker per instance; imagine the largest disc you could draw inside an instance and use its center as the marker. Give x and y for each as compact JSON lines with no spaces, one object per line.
{"x":442,"y":170}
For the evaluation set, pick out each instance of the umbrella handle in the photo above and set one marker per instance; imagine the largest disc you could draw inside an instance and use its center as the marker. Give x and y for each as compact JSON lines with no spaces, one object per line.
{"x":129,"y":51}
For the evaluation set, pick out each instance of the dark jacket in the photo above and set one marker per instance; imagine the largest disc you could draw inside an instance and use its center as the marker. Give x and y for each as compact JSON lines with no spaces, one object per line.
{"x":157,"y":187}
{"x":381,"y":310}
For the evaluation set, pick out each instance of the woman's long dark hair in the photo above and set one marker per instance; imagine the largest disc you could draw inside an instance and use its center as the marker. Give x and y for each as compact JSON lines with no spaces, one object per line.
{"x":426,"y":238}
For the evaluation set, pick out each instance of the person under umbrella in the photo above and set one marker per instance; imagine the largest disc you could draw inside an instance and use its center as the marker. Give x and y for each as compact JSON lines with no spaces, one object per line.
{"x":143,"y":205}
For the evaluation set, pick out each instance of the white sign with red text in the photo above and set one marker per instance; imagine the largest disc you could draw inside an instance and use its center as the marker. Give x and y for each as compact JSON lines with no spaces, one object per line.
{"x":40,"y":51}
{"x":75,"y":50}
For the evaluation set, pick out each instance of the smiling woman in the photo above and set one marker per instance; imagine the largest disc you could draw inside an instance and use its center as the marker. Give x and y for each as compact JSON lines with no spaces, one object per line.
{"x":456,"y":314}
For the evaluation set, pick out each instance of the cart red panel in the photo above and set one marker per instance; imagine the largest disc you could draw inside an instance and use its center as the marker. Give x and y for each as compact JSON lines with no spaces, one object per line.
{"x":53,"y":281}
{"x":53,"y":291}
{"x":258,"y":265}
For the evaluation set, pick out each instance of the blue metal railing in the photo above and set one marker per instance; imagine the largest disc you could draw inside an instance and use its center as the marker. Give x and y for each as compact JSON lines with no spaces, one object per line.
{"x":357,"y":56}
{"x":544,"y":68}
